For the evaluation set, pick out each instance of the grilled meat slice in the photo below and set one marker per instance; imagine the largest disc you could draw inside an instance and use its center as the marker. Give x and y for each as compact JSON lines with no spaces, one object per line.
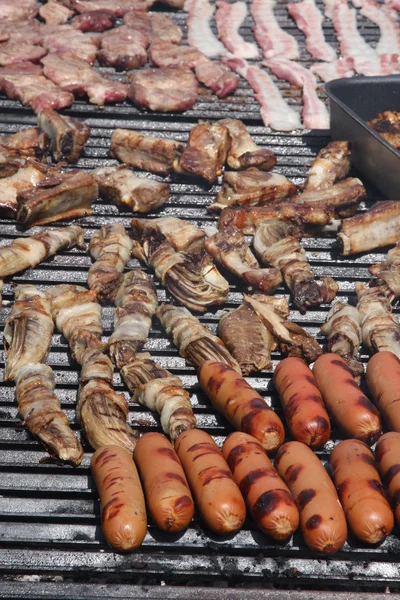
{"x":12,"y":53}
{"x":54,"y":13}
{"x":156,"y":27}
{"x":110,"y":247}
{"x":229,"y":248}
{"x":206,"y":151}
{"x":194,"y":341}
{"x":123,"y":48}
{"x":119,"y":8}
{"x":41,"y":412}
{"x":216,"y":76}
{"x":65,"y":39}
{"x":252,"y":188}
{"x":136,"y":303}
{"x":342,"y":328}
{"x":94,"y":21}
{"x":331,"y":164}
{"x":26,"y":178}
{"x":387,"y":124}
{"x":244,"y":152}
{"x":182,"y":235}
{"x":378,"y":227}
{"x":102,"y":412}
{"x":61,"y":196}
{"x":156,"y":155}
{"x":29,"y":32}
{"x":30,"y":142}
{"x":67,"y":135}
{"x":276,"y":246}
{"x":120,"y":186}
{"x":169,"y":54}
{"x":160,"y":391}
{"x":141,"y":22}
{"x":380,"y":329}
{"x":387,"y":275}
{"x":30,"y":251}
{"x":28,"y":330}
{"x":10,"y":161}
{"x":169,"y":89}
{"x":343,"y":197}
{"x":22,"y":10}
{"x":77,"y":315}
{"x":293,"y":339}
{"x":247,"y":339}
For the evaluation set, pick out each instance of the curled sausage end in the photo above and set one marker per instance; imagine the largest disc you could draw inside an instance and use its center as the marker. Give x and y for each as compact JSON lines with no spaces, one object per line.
{"x":125,"y":538}
{"x":176,"y":516}
{"x":328,"y":539}
{"x":227,"y":519}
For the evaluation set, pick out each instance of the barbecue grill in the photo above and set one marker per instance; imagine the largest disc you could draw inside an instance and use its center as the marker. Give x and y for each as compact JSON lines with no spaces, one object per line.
{"x":50,"y":538}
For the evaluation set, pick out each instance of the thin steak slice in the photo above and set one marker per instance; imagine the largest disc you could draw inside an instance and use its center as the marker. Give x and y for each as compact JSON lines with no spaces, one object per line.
{"x":169,"y":89}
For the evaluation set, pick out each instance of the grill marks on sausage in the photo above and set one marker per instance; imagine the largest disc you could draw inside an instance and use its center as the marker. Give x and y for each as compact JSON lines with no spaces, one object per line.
{"x":313,"y":522}
{"x":341,"y":365}
{"x":305,"y":497}
{"x":376,"y":485}
{"x":363,"y":401}
{"x":168,"y":452}
{"x":292,"y":473}
{"x":111,"y":509}
{"x":236,"y":454}
{"x":269,"y":501}
{"x":392,"y":472}
{"x":210,"y":474}
{"x":253,"y":476}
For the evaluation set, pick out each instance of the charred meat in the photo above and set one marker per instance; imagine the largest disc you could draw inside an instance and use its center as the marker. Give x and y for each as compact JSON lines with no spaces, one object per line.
{"x":123,"y":48}
{"x":244,"y":152}
{"x":169,"y":89}
{"x":216,"y":76}
{"x":387,"y":124}
{"x":182,"y":235}
{"x":30,"y":142}
{"x":387,"y":275}
{"x":343,"y":198}
{"x":67,"y":135}
{"x":26,"y":178}
{"x":331,"y":164}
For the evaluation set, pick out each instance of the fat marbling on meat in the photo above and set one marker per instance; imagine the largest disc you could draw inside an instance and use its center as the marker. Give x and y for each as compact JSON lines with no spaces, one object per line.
{"x":169,"y":89}
{"x":122,"y":48}
{"x":94,"y":21}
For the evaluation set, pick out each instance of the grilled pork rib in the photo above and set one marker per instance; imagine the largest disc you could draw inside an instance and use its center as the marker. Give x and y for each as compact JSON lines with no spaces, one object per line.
{"x":67,"y":135}
{"x":331,"y":164}
{"x":380,"y":329}
{"x":244,"y":152}
{"x":375,"y":228}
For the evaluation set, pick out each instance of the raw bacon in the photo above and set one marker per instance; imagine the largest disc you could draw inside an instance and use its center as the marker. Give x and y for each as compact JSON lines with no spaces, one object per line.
{"x":309,"y":20}
{"x":229,"y":18}
{"x":338,"y":69}
{"x":273,"y":40}
{"x":386,"y":19}
{"x":200,"y":34}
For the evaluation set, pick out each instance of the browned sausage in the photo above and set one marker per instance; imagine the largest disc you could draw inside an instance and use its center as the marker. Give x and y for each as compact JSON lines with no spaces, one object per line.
{"x":383,"y":378}
{"x":322,"y":518}
{"x":387,"y":453}
{"x":244,"y":408}
{"x":268,"y":498}
{"x":356,"y":416}
{"x":217,"y":496}
{"x":123,"y":516}
{"x":166,"y":490}
{"x":302,"y":402}
{"x":357,"y":480}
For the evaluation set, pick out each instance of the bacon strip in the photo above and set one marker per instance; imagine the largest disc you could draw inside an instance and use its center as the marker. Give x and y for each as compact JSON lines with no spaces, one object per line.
{"x":229,"y":18}
{"x":338,"y":69}
{"x":200,"y":34}
{"x":329,"y":7}
{"x":275,"y":111}
{"x":388,"y":47}
{"x":315,"y":114}
{"x":309,"y":20}
{"x":274,"y":41}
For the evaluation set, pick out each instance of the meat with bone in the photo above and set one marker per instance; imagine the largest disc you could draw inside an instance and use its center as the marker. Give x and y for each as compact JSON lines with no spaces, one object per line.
{"x":28,"y":330}
{"x":160,"y":391}
{"x":192,"y":279}
{"x":26,"y":178}
{"x":293,"y":340}
{"x":375,"y":228}
{"x":229,"y":18}
{"x":54,"y":13}
{"x":169,"y":89}
{"x":123,"y":48}
{"x":331,"y":164}
{"x":275,"y":111}
{"x":194,"y":341}
{"x":30,"y":142}
{"x":67,"y":135}
{"x":272,"y":39}
{"x":146,"y":152}
{"x":200,"y":34}
{"x":244,"y":152}
{"x":94,"y":21}
{"x":216,"y":76}
{"x":77,"y":315}
{"x":136,"y":303}
{"x":248,"y":219}
{"x":276,"y":246}
{"x":342,"y":198}
{"x":206,"y":151}
{"x":75,"y":75}
{"x":25,"y":82}
{"x":169,"y":54}
{"x":386,"y":18}
{"x":380,"y":329}
{"x":309,"y":20}
{"x":41,"y":412}
{"x":27,"y":252}
{"x":337,"y":69}
{"x":247,"y":339}
{"x":181,"y":234}
{"x":22,"y":10}
{"x":315,"y":114}
{"x":120,"y":186}
{"x":155,"y":26}
{"x":101,"y":411}
{"x":12,"y":53}
{"x":110,"y":248}
{"x":387,"y":274}
{"x":342,"y":328}
{"x":61,"y":196}
{"x":252,"y":188}
{"x":10,"y":161}
{"x":62,"y":39}
{"x":229,"y":249}
{"x":118,"y":8}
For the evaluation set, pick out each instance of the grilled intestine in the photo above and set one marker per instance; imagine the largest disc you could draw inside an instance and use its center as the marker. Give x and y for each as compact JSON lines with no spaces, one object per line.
{"x":160,"y":391}
{"x":194,"y":341}
{"x":136,"y":303}
{"x":275,"y":245}
{"x":111,"y":248}
{"x":331,"y":164}
{"x":179,"y":233}
{"x":386,"y":275}
{"x":342,"y":328}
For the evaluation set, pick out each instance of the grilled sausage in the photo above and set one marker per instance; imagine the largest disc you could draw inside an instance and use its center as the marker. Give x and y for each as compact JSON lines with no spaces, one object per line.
{"x":123,"y":516}
{"x":356,"y":416}
{"x":361,"y":492}
{"x":322,"y":518}
{"x":244,"y":408}
{"x":267,"y":497}
{"x":217,"y":496}
{"x":387,"y":453}
{"x":302,"y":402}
{"x":167,"y":493}
{"x":383,"y":378}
